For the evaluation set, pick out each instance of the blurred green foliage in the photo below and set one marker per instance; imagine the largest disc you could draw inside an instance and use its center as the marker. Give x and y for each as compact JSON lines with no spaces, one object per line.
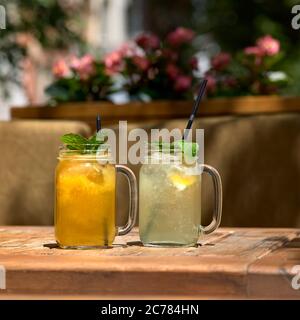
{"x":233,"y":25}
{"x":50,"y":22}
{"x":236,"y":24}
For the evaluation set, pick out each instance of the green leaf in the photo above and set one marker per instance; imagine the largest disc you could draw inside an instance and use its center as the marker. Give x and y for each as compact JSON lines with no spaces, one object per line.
{"x":101,"y":136}
{"x":162,"y":145}
{"x":77,"y":142}
{"x":74,"y":141}
{"x":58,"y":92}
{"x":188,"y":148}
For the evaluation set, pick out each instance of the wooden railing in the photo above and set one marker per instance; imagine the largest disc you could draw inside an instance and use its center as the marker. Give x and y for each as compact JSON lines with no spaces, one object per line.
{"x":138,"y":111}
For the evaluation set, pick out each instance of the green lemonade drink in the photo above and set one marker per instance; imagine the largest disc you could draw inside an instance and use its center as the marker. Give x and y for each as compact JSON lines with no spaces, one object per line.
{"x":170,"y":200}
{"x":168,"y":192}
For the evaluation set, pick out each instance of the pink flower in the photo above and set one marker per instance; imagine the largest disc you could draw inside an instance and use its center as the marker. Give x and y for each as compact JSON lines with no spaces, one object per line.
{"x":113,"y":62}
{"x":172,"y":71}
{"x":141,"y":62}
{"x":170,"y":54}
{"x":84,"y":66}
{"x":152,"y":72}
{"x":221,"y":61}
{"x":87,"y":67}
{"x":256,"y":51}
{"x":265,"y":46}
{"x":211,"y":83}
{"x":147,"y":41}
{"x":74,"y":63}
{"x":182,"y":83}
{"x":194,"y":63}
{"x":60,"y":69}
{"x":180,"y":36}
{"x":230,"y":82}
{"x":128,"y":50}
{"x":268,"y":45}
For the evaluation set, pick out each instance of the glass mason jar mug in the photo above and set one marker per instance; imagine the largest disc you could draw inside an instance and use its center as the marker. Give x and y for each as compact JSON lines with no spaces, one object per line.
{"x":85,"y":192}
{"x":170,"y":199}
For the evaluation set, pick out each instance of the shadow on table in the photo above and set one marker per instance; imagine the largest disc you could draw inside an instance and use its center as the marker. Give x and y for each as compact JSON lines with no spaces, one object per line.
{"x":116,"y":245}
{"x":55,"y":246}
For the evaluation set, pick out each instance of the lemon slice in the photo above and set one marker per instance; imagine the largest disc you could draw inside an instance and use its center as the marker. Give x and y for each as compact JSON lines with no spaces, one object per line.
{"x":182,"y":182}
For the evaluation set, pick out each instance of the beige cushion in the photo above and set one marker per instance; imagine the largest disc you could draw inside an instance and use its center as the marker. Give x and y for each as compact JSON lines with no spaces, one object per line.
{"x":258,"y":158}
{"x":27,"y":163}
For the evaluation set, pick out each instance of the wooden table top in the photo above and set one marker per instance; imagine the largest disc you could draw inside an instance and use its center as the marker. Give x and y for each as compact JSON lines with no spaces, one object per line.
{"x":231,"y":263}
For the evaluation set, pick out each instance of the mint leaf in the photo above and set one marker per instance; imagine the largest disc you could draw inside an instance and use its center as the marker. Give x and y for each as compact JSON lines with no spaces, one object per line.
{"x":189,"y":148}
{"x":95,"y":141}
{"x":74,"y":141}
{"x":101,"y":136}
{"x":162,"y":145}
{"x":79,"y":143}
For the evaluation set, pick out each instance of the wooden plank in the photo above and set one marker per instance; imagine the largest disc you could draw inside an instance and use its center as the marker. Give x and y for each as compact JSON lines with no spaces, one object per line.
{"x":274,"y":272}
{"x":232,"y":263}
{"x":138,"y":111}
{"x":110,"y":113}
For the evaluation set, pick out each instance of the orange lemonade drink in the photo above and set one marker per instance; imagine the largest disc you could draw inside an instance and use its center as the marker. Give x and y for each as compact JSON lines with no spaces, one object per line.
{"x":85,"y":202}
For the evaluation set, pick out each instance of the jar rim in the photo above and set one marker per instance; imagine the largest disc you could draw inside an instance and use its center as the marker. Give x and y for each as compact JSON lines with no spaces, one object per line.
{"x":161,"y":147}
{"x":167,"y":156}
{"x":103,"y":151}
{"x":167,"y":148}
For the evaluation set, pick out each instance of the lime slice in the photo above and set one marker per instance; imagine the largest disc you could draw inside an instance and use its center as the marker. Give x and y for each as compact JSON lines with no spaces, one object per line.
{"x":190,"y":149}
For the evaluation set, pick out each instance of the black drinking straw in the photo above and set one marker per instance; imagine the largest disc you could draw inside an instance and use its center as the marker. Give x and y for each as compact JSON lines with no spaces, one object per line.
{"x":195,"y":108}
{"x":98,"y":123}
{"x":98,"y":128}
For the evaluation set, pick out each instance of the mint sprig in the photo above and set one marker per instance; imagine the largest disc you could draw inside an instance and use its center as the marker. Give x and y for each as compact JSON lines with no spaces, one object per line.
{"x":189,"y":148}
{"x":74,"y":141}
{"x":81,"y":144}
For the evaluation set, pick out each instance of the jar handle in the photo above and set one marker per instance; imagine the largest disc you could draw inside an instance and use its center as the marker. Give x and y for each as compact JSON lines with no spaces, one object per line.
{"x":133,"y":199}
{"x":217,"y":214}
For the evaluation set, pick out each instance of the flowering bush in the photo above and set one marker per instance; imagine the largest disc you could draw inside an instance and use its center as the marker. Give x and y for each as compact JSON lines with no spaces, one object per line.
{"x":152,"y":68}
{"x":80,"y":79}
{"x":252,"y":72}
{"x":155,"y":68}
{"x":146,"y":68}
